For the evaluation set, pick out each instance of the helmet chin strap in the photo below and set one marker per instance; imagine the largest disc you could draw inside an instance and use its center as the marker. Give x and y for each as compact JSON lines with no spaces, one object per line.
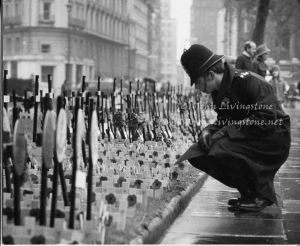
{"x":205,"y":85}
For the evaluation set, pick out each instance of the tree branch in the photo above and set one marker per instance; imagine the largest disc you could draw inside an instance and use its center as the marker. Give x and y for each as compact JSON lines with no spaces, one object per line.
{"x":261,"y":20}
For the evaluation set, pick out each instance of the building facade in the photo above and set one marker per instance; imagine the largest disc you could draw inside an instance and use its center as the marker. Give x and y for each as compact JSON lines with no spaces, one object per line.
{"x":66,"y":39}
{"x":214,"y":23}
{"x":205,"y":17}
{"x":154,"y":44}
{"x":138,"y":29}
{"x":224,"y":27}
{"x":168,"y":67}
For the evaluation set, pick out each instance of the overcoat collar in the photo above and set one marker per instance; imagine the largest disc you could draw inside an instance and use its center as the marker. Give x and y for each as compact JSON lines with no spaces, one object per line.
{"x":246,"y":54}
{"x":225,"y":87}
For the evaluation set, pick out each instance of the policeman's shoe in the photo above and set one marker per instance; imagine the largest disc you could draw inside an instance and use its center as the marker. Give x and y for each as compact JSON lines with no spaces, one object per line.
{"x":234,"y":202}
{"x":246,"y":196}
{"x":254,"y":205}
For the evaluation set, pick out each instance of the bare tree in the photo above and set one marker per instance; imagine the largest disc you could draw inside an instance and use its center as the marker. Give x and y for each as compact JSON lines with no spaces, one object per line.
{"x":283,"y":16}
{"x":261,"y":20}
{"x":283,"y":22}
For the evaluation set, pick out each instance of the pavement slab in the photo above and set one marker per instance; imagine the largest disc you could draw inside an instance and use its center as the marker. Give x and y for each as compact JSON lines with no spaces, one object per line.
{"x":209,"y":220}
{"x":290,"y":181}
{"x":291,"y":207}
{"x":175,"y":238}
{"x":292,"y":229}
{"x":212,"y":221}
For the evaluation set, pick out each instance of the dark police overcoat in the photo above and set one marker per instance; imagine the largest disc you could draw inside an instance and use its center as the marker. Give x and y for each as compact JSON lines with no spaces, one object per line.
{"x":257,"y":133}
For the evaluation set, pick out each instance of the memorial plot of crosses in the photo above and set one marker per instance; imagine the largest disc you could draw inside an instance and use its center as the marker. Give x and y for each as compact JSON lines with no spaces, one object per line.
{"x":99,"y":162}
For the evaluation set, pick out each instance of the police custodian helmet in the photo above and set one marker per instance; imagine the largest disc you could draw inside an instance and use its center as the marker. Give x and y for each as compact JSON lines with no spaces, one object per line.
{"x":197,"y":60}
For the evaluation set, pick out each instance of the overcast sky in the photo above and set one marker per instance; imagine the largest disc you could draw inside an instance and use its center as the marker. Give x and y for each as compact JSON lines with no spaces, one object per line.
{"x":180,"y":10}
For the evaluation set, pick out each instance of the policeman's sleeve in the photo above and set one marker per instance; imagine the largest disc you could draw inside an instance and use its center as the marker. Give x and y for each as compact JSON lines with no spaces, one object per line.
{"x":231,"y":130}
{"x":212,"y":128}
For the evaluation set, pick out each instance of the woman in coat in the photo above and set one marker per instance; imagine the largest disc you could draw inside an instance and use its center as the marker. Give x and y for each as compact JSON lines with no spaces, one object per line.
{"x":250,"y":140}
{"x":259,"y":65}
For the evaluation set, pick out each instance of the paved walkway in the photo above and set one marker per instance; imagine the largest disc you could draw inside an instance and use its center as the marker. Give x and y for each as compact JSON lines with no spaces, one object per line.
{"x":207,"y":220}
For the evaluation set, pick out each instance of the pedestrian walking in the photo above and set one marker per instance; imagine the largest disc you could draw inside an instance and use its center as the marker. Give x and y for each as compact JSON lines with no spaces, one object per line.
{"x":244,"y":61}
{"x":259,"y":63}
{"x":278,"y":84}
{"x":250,"y":139}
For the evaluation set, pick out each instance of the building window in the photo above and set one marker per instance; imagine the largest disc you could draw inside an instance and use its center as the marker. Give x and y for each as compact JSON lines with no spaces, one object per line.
{"x":90,"y":72}
{"x":108,"y":26}
{"x":103,"y":28}
{"x":81,"y":48}
{"x":46,"y":70}
{"x":87,"y":16}
{"x":78,"y":74}
{"x":17,"y":45}
{"x":5,"y":65}
{"x":14,"y":69}
{"x":75,"y":47}
{"x":92,"y":19}
{"x":6,"y":12}
{"x":46,"y":10}
{"x":8,"y":45}
{"x":92,"y":50}
{"x":45,"y":48}
{"x":88,"y":49}
{"x":69,"y":73}
{"x":17,"y":10}
{"x":97,"y":21}
{"x":77,"y":10}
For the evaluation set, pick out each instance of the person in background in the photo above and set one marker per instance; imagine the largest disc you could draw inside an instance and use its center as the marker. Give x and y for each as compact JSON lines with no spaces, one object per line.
{"x":250,"y":139}
{"x":259,"y":63}
{"x":244,"y":61}
{"x":292,"y":93}
{"x":28,"y":102}
{"x":277,"y":83}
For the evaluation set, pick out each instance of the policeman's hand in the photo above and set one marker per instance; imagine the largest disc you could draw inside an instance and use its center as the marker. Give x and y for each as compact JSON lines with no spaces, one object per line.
{"x":204,"y":140}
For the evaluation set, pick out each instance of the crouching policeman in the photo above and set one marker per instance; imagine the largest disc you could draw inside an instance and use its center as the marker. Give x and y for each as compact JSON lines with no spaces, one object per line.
{"x":250,"y":139}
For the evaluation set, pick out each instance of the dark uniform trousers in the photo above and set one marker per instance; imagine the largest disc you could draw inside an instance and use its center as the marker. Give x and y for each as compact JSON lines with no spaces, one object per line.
{"x":248,"y":156}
